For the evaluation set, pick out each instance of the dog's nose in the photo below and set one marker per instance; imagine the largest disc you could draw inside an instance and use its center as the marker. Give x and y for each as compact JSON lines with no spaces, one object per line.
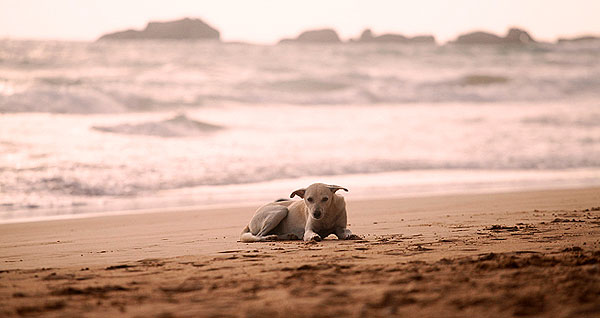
{"x":317,"y":214}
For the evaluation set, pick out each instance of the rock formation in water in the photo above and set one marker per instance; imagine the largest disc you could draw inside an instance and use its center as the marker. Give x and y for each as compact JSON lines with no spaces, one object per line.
{"x":518,"y":36}
{"x":514,"y":36}
{"x":184,"y":29}
{"x":368,"y":37}
{"x":315,"y":36}
{"x":579,"y":39}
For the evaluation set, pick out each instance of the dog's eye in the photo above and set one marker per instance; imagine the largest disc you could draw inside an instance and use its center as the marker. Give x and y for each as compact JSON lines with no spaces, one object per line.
{"x":310,"y":199}
{"x":324,"y":199}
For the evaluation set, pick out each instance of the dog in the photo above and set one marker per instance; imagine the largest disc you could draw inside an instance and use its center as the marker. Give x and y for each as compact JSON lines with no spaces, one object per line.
{"x":321,"y":212}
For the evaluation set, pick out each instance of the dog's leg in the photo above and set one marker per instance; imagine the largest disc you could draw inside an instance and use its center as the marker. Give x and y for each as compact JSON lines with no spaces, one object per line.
{"x":247,"y":236}
{"x":310,"y":235}
{"x":345,"y":234}
{"x":263,"y":222}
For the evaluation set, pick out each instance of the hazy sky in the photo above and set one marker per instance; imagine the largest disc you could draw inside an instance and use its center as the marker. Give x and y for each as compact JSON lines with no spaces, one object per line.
{"x":266,"y":21}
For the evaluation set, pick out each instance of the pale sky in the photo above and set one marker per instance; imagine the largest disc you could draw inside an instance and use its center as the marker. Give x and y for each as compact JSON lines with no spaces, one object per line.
{"x":266,"y":21}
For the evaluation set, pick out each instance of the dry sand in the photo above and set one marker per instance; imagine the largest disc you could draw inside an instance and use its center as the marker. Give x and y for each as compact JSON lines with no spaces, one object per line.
{"x":485,"y":255}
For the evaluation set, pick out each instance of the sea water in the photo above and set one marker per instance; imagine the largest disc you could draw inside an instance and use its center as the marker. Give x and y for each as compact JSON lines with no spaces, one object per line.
{"x":109,"y":126}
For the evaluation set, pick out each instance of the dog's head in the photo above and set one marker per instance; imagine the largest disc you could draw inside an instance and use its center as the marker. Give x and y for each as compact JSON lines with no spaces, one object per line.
{"x":318,"y":197}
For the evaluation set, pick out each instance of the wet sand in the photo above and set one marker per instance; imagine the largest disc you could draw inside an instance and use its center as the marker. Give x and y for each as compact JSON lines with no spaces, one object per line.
{"x":533,"y":254}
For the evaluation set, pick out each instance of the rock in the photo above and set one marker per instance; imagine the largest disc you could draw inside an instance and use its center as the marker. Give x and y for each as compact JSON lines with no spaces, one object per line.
{"x":514,"y":36}
{"x":478,"y":38}
{"x":368,"y":37}
{"x":184,"y":29}
{"x":316,"y":36}
{"x":587,"y":38}
{"x":430,"y":39}
{"x":389,"y":37}
{"x":518,"y":36}
{"x":127,"y":34}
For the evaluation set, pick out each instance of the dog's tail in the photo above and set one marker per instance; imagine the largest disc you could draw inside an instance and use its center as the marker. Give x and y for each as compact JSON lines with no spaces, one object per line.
{"x":247,"y":236}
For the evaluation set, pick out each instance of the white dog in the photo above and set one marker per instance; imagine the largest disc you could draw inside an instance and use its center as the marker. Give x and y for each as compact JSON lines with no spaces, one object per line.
{"x":322,"y":212}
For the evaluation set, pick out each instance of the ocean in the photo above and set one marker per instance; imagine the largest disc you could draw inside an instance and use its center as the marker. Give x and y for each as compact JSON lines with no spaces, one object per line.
{"x":90,"y":128}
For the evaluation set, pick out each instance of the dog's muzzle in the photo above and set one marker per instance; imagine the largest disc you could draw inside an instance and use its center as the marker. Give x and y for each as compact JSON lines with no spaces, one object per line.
{"x":317,"y":214}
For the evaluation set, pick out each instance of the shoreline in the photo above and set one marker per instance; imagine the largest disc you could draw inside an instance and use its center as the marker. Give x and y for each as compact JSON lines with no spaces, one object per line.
{"x":528,"y":253}
{"x":374,"y":186}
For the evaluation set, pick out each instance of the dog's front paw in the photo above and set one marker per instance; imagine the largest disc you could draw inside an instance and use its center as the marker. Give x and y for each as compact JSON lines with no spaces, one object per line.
{"x":352,"y":237}
{"x":312,"y":238}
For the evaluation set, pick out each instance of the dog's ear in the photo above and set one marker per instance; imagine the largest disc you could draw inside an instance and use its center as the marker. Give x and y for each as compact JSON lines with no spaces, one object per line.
{"x":299,"y":192}
{"x":334,"y":188}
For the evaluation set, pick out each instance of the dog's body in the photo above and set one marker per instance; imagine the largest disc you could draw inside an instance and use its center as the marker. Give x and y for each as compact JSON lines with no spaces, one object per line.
{"x":319,"y":214}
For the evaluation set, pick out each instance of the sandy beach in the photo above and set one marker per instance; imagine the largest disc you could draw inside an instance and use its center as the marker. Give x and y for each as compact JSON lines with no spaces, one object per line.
{"x":135,"y":149}
{"x":483,"y":255}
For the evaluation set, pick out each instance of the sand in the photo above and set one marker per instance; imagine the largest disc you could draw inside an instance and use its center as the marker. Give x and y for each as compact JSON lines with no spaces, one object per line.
{"x":533,"y":254}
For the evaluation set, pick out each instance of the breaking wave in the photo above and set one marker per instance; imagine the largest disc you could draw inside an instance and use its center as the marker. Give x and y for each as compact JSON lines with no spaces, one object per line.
{"x":61,"y":100}
{"x":178,"y":126}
